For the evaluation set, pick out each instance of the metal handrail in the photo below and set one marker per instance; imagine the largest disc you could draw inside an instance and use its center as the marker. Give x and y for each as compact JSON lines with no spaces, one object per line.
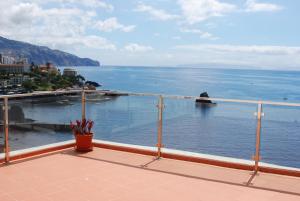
{"x":264,"y":102}
{"x":40,"y":93}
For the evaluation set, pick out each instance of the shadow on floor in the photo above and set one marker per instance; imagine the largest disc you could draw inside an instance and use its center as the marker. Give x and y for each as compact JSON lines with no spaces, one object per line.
{"x":248,"y":183}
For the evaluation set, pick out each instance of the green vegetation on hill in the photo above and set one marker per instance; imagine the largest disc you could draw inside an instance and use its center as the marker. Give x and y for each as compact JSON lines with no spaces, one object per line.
{"x":48,"y":81}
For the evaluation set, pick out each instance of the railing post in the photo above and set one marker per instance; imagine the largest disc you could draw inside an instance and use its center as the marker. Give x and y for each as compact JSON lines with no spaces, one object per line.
{"x":159,"y":125}
{"x":83,"y":105}
{"x":258,"y":136}
{"x":5,"y":127}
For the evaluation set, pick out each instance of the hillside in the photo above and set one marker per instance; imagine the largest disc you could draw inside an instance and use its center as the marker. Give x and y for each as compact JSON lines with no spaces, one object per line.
{"x":42,"y":54}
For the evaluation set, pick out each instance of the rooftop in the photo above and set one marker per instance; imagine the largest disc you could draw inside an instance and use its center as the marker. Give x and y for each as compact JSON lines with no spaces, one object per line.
{"x":106,"y":174}
{"x":117,"y":171}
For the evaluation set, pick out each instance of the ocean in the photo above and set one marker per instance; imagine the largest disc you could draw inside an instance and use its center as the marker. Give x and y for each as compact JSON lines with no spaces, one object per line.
{"x":225,"y":83}
{"x":226,"y":129}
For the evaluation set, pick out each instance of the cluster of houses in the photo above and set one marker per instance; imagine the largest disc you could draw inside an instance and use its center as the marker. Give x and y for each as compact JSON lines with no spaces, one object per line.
{"x":14,"y":71}
{"x":50,"y":68}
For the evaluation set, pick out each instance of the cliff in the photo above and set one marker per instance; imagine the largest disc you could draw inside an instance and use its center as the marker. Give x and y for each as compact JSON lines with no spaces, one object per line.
{"x":42,"y":54}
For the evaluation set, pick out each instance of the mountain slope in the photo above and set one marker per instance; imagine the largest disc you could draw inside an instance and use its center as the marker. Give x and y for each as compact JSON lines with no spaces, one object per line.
{"x":42,"y":54}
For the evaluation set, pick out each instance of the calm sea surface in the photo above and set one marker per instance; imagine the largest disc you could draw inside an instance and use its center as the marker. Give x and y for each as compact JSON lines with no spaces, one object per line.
{"x":226,"y":129}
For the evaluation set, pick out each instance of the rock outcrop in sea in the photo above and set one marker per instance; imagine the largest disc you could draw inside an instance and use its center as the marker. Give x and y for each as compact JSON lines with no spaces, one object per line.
{"x":204,"y":95}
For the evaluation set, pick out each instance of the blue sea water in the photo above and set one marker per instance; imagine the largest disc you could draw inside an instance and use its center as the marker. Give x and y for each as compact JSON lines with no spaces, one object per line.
{"x":226,"y":129}
{"x":225,"y":83}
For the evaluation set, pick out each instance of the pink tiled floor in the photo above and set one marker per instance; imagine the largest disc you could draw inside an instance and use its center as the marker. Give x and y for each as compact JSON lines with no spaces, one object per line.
{"x":120,"y":176}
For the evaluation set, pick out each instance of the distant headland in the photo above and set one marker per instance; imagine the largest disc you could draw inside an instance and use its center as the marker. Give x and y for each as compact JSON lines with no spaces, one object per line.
{"x":42,"y":54}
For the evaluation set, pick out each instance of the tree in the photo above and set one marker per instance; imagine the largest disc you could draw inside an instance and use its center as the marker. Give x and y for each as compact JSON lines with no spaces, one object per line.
{"x":32,"y":66}
{"x":29,"y":85}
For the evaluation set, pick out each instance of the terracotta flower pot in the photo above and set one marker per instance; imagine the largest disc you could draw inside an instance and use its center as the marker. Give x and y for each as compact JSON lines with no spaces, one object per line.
{"x":84,"y":142}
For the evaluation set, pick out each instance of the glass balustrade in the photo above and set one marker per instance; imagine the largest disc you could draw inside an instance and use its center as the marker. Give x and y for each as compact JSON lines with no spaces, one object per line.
{"x":36,"y":121}
{"x":280,"y":136}
{"x":123,"y":119}
{"x":225,"y":128}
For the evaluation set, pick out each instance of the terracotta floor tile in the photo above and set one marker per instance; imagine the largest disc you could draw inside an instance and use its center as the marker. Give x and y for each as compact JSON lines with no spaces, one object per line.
{"x":277,"y":182}
{"x":26,"y":195}
{"x":201,"y":171}
{"x":6,"y":198}
{"x":119,"y":176}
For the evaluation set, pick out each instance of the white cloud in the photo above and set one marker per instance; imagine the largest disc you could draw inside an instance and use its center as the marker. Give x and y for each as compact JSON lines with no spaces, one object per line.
{"x":82,"y":3}
{"x":253,"y":49}
{"x":195,"y":11}
{"x":63,"y":42}
{"x":263,"y":56}
{"x":17,"y":15}
{"x":202,"y":34}
{"x":96,"y":42}
{"x":254,"y":6}
{"x":112,"y":24}
{"x":23,"y":13}
{"x":134,"y":47}
{"x":156,"y":13}
{"x":169,"y":56}
{"x":63,"y":28}
{"x":94,"y":3}
{"x":211,"y":25}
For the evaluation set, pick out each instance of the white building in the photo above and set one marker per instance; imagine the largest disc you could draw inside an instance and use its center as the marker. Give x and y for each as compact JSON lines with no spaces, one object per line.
{"x":70,"y":72}
{"x":7,"y":59}
{"x":14,"y":68}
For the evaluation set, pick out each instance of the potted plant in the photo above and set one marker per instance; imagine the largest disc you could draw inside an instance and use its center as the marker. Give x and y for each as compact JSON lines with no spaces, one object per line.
{"x":83,"y":135}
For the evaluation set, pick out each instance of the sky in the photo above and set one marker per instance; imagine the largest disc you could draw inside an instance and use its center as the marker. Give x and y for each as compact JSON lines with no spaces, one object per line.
{"x":246,"y":33}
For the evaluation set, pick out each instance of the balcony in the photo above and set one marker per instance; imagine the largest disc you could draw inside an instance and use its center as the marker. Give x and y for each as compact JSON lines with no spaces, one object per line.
{"x":106,"y":174}
{"x":136,"y":155}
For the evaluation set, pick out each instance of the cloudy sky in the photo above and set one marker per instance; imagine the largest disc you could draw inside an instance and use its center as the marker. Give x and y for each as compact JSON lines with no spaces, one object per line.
{"x":261,"y":33}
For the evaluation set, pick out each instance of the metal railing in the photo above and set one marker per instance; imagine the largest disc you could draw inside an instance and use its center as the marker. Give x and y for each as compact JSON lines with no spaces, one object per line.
{"x":160,"y":109}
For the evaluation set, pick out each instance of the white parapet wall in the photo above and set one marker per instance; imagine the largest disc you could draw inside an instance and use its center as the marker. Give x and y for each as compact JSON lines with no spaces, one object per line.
{"x":154,"y":149}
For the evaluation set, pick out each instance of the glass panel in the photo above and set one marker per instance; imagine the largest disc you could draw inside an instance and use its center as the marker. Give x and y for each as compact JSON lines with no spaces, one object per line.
{"x":225,"y":129}
{"x":124,"y":119}
{"x":280,"y":138}
{"x":36,"y":121}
